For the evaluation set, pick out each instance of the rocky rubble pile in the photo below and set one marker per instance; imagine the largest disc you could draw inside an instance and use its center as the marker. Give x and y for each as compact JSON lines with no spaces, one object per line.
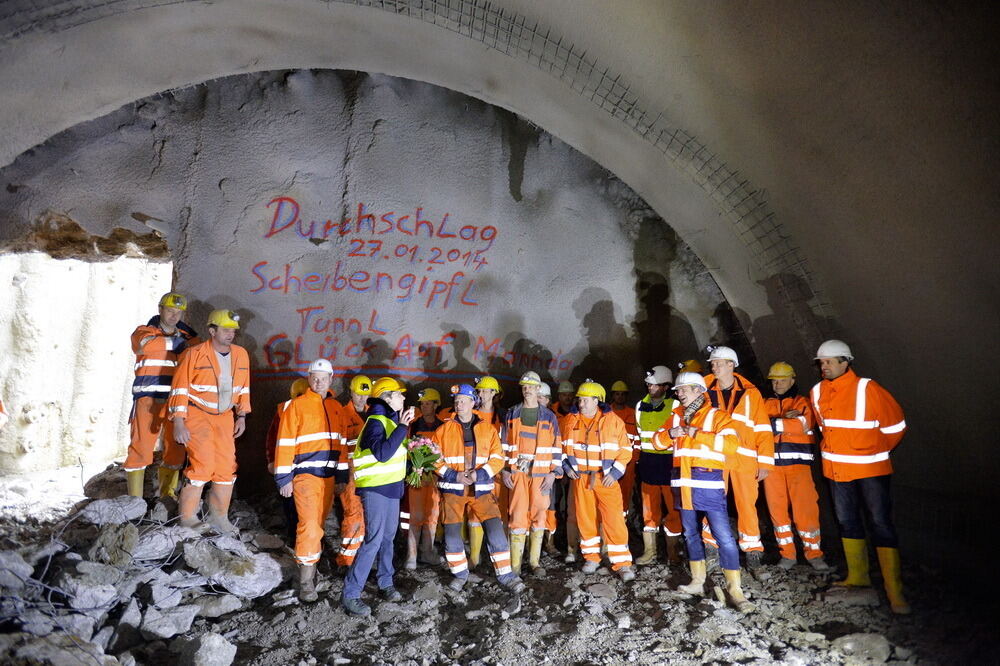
{"x":119,"y":583}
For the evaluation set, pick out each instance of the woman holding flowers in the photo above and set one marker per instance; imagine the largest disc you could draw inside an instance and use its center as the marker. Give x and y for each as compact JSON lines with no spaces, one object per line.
{"x":423,"y":497}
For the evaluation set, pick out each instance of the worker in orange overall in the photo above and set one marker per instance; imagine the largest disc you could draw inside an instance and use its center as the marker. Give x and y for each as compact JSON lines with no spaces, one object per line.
{"x":861,"y":423}
{"x":310,"y":445}
{"x":488,"y":409}
{"x":654,"y":468}
{"x":425,"y":501}
{"x":156,"y":346}
{"x":471,"y":458}
{"x":626,"y":412}
{"x":791,"y":482}
{"x":209,"y":402}
{"x":352,"y":524}
{"x":545,"y":400}
{"x":533,"y":450}
{"x":298,"y":387}
{"x":740,"y":399}
{"x":562,"y":498}
{"x":704,"y":441}
{"x":596,"y":452}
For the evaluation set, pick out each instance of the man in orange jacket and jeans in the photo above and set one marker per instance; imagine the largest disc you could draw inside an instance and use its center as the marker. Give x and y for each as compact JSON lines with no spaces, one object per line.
{"x":209,"y":402}
{"x":352,"y":525}
{"x":861,"y":424}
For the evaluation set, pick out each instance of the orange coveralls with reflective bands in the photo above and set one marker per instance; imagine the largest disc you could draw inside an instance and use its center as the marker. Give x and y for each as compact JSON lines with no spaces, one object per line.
{"x":309,"y":447}
{"x":597,"y":448}
{"x":627,"y":483}
{"x":542,"y":446}
{"x":424,"y":503}
{"x":156,"y":355}
{"x":861,"y":424}
{"x":478,"y":499}
{"x":352,"y":526}
{"x":746,"y":407}
{"x":791,"y":482}
{"x":194,"y":395}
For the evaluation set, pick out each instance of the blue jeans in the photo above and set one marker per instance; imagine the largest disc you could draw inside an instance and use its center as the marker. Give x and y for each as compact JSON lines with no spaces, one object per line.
{"x":381,"y":522}
{"x":872,"y":494}
{"x":718,"y":521}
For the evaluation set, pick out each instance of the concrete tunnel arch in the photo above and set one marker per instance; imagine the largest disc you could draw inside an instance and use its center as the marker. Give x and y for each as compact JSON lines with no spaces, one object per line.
{"x":496,"y":53}
{"x":481,"y":50}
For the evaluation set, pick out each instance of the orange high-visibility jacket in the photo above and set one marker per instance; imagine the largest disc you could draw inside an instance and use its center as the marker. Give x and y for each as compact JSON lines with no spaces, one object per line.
{"x":793,"y":438}
{"x":699,"y":461}
{"x":196,"y":381}
{"x":488,"y":458}
{"x":746,"y":408}
{"x":353,"y":422}
{"x":156,"y":355}
{"x":310,"y":439}
{"x":604,"y":447}
{"x":540,"y":442}
{"x":627,"y":415}
{"x":271,"y":439}
{"x":861,"y":423}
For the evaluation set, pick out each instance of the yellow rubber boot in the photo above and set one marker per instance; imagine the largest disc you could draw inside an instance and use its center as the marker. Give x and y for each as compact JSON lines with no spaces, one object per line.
{"x":219,"y":498}
{"x":649,"y":549}
{"x":856,"y":554}
{"x":888,"y":559}
{"x":698,"y":574}
{"x":535,"y":548}
{"x":134,"y":480}
{"x":735,"y":591}
{"x":517,"y":551}
{"x":168,"y":481}
{"x":475,"y":545}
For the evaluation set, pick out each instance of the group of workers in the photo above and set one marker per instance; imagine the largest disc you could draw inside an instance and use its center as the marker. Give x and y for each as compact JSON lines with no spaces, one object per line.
{"x":512,"y":477}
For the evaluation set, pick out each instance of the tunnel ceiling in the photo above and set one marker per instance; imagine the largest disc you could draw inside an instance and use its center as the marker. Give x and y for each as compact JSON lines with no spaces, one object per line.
{"x":810,"y":156}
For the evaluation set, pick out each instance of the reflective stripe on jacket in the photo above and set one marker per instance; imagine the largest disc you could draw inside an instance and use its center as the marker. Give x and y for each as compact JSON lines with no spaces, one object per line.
{"x":541,"y":442}
{"x":309,"y":439}
{"x":603,"y":447}
{"x":861,"y":423}
{"x":627,"y":415}
{"x":369,"y":472}
{"x":793,"y":438}
{"x":156,"y":355}
{"x":746,"y":408}
{"x":196,"y":381}
{"x":488,"y":456}
{"x":700,"y":461}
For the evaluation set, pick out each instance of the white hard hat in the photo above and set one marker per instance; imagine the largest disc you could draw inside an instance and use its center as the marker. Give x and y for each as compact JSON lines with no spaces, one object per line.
{"x":545,"y":389}
{"x":321,"y":365}
{"x":690,"y":379}
{"x":834,"y":349}
{"x":725,"y":354}
{"x":659,"y":374}
{"x":566,"y":387}
{"x":530,"y":378}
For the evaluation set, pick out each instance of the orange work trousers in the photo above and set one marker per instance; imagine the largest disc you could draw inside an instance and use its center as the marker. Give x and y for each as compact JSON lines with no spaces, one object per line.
{"x":793,"y":485}
{"x":313,"y":497}
{"x":743,"y":486}
{"x":654,"y":500}
{"x":528,"y":506}
{"x":425,"y":505}
{"x":149,"y":419}
{"x":594,"y":502}
{"x":352,"y":526}
{"x":211,"y":450}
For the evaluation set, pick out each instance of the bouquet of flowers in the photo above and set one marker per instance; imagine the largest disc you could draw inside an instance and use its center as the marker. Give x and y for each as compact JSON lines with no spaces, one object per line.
{"x":423,"y":453}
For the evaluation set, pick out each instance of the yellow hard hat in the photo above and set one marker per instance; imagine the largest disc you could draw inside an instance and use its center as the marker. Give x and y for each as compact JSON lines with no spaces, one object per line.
{"x":224,"y":319}
{"x":619,"y":386}
{"x":172,"y":299}
{"x":781,"y":370}
{"x":691,"y":365}
{"x":591,"y":389}
{"x":361,"y":385}
{"x":299,"y":386}
{"x":488,"y":383}
{"x":429,"y":394}
{"x":387,"y":385}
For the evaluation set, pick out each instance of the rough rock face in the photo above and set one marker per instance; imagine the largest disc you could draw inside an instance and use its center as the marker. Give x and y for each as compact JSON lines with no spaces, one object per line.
{"x":378,"y":222}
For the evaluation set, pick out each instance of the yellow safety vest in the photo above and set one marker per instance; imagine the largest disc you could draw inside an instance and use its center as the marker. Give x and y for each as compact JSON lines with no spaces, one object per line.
{"x":368,"y":471}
